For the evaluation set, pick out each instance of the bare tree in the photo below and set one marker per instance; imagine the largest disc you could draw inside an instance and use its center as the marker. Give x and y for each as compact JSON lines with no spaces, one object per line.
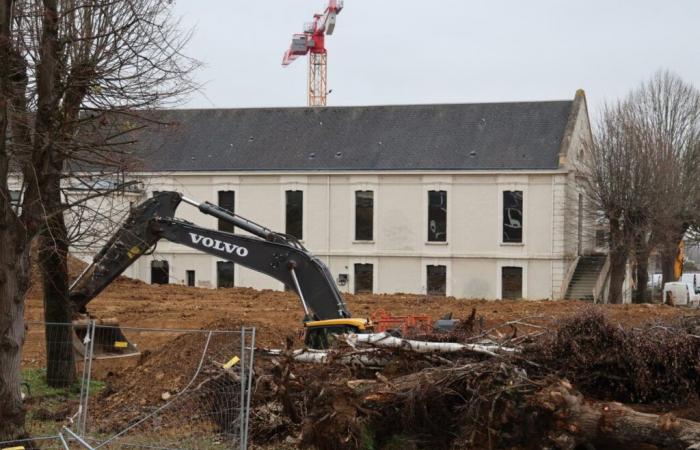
{"x":669,"y":109}
{"x":619,"y":176}
{"x":74,"y":76}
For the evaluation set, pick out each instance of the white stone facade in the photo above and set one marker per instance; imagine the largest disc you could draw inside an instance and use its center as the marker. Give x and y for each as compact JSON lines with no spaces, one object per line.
{"x":473,"y":254}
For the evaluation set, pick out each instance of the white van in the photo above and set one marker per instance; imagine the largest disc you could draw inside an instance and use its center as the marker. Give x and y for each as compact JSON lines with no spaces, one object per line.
{"x":681,"y":293}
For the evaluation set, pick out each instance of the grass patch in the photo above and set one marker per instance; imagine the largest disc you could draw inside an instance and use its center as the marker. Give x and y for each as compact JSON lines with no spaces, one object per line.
{"x":36,"y":387}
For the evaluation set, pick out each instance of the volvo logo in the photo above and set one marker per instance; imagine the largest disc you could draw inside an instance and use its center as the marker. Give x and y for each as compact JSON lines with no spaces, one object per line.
{"x":218,"y":245}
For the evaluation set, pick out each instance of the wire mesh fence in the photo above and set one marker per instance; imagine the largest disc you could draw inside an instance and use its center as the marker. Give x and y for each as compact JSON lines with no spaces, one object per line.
{"x":135,"y":387}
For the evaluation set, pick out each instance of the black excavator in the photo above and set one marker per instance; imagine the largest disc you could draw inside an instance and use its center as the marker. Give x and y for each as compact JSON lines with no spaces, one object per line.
{"x":278,"y":255}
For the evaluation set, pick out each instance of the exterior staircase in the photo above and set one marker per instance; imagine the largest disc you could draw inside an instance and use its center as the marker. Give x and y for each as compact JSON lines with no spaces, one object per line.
{"x":585,"y":276}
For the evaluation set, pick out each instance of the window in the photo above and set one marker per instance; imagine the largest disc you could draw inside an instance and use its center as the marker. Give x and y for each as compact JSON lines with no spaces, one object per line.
{"x":294,"y":214}
{"x":363,"y":278}
{"x":437,"y":280}
{"x":160,"y":272}
{"x":437,"y":216}
{"x":513,"y":216}
{"x":512,"y":282}
{"x":190,"y":277}
{"x":15,"y":197}
{"x":224,"y":274}
{"x":364,"y":215}
{"x":227,"y":200}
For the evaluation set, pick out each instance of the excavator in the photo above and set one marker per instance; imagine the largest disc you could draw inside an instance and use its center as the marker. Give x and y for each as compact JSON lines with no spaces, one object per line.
{"x":278,"y":255}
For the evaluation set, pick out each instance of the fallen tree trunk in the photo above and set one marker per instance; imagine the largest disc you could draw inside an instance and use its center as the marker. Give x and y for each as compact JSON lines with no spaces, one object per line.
{"x":579,"y":421}
{"x":484,"y":405}
{"x":387,"y":340}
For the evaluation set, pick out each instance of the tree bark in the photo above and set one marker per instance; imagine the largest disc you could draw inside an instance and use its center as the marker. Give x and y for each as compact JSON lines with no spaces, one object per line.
{"x":578,"y":421}
{"x":53,"y":260}
{"x":14,"y":267}
{"x":641,"y":291}
{"x":53,"y":242}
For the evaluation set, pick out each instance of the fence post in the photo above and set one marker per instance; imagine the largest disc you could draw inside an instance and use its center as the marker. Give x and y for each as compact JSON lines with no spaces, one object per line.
{"x":241,"y":419}
{"x":88,"y":344}
{"x":248,"y":387}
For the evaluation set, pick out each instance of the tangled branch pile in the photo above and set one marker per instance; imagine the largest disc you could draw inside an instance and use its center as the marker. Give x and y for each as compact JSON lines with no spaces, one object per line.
{"x":472,"y":400}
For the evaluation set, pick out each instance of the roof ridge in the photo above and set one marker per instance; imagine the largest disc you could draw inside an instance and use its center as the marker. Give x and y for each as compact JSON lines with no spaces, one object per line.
{"x":320,"y":108}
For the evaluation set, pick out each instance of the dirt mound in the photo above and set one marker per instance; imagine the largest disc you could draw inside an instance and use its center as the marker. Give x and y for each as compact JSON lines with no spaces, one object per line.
{"x":183,"y":362}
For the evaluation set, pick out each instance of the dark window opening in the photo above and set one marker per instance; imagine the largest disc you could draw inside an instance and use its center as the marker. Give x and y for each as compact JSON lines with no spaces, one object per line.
{"x":294,"y":214}
{"x":364,"y":274}
{"x":224,"y":274}
{"x":437,"y":216}
{"x":190,"y":277}
{"x":15,"y":197}
{"x":227,"y":200}
{"x":513,"y":216}
{"x":512,"y":282}
{"x":364,"y":215}
{"x":160,"y":272}
{"x":437,"y":280}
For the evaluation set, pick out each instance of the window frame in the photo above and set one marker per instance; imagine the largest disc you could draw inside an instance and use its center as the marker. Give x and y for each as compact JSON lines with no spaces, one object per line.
{"x":222,"y":225}
{"x":187,"y":278}
{"x":511,"y":263}
{"x":501,"y":207}
{"x":355,"y":216}
{"x":285,"y":210}
{"x":354,"y":277}
{"x":233,"y":273}
{"x":167,"y":271}
{"x":427,"y":279}
{"x":426,"y":230}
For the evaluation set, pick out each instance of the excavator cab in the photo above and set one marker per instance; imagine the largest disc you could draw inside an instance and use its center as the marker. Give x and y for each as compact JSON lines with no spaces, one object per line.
{"x":321,"y":334}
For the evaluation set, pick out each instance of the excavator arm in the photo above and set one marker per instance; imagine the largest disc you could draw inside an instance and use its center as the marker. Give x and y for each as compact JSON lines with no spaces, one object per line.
{"x":277,"y":255}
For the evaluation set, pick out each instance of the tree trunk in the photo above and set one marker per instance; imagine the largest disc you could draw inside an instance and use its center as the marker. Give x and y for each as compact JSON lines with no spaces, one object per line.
{"x":53,"y":260}
{"x":618,"y":269}
{"x":578,"y":422}
{"x":641,"y":291}
{"x":618,"y":262}
{"x":14,"y":269}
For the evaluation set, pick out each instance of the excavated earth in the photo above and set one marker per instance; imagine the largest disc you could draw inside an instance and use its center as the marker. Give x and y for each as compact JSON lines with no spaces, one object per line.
{"x":168,"y":359}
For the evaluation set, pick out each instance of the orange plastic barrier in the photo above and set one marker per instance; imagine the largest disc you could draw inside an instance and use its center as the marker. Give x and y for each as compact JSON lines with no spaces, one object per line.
{"x":408,"y":325}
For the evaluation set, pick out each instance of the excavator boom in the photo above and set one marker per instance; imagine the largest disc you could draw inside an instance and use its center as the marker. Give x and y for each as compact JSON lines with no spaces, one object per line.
{"x":275,"y":254}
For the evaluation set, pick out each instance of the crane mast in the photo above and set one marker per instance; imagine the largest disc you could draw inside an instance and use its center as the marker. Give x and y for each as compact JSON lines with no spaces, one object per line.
{"x":312,"y":42}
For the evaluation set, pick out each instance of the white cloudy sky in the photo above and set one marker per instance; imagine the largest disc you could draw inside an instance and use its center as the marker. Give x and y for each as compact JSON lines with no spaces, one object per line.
{"x":401,"y":52}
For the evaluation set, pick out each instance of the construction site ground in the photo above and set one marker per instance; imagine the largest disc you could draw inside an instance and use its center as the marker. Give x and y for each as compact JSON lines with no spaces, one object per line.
{"x":277,"y":315}
{"x":277,"y":318}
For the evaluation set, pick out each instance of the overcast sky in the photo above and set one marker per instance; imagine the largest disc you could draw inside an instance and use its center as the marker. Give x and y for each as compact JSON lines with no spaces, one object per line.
{"x":441,"y":51}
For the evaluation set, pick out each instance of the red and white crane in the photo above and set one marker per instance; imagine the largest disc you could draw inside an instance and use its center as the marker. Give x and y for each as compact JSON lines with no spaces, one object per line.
{"x":312,"y":41}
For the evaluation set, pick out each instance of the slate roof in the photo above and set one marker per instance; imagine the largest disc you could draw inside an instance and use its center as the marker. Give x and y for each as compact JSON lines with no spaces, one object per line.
{"x":496,"y":136}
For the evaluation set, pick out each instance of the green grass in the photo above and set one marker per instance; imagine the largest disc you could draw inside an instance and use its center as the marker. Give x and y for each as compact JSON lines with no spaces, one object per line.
{"x":43,"y":400}
{"x":35,"y":380}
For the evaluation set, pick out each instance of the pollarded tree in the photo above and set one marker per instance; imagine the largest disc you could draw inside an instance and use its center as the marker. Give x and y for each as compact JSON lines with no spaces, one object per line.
{"x":669,"y":109}
{"x":619,"y":178}
{"x":74,"y":75}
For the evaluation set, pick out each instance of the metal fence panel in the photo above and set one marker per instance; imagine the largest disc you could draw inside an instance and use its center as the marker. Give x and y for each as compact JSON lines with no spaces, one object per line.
{"x":162,"y":388}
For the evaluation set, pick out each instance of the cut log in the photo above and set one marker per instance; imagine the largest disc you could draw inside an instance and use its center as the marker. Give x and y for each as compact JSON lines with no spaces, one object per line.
{"x":579,"y":421}
{"x":387,"y":340}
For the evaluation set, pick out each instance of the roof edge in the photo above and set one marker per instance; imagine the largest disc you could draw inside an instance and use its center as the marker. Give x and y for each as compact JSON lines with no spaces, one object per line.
{"x":579,"y":98}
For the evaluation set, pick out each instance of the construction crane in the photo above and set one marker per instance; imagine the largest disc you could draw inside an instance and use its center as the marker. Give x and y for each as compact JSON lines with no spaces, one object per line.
{"x":312,"y":41}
